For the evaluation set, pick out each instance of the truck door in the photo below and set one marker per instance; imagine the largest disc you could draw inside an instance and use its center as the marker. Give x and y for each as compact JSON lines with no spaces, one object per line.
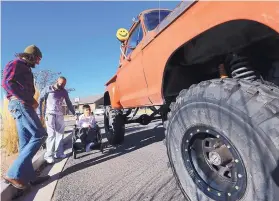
{"x":131,"y":81}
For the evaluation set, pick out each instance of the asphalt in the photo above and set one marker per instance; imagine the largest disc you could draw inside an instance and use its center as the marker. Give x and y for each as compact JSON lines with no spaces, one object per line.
{"x":136,"y":170}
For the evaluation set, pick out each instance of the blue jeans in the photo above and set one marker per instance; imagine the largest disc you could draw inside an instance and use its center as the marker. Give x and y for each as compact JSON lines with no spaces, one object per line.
{"x":31,"y":135}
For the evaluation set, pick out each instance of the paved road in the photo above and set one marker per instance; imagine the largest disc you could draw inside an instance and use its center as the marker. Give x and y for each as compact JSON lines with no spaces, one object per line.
{"x":137,"y":170}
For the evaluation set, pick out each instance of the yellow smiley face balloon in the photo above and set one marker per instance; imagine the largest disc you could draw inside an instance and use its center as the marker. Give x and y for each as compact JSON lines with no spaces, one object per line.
{"x":122,"y":34}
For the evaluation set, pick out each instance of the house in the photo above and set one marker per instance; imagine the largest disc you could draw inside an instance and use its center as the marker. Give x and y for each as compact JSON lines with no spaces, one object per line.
{"x":94,"y":101}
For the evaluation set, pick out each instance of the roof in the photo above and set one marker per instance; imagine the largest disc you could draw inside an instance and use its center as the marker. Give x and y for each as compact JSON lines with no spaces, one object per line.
{"x":87,"y":99}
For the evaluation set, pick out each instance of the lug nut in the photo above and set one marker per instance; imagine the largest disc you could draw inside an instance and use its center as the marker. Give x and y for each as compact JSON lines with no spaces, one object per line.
{"x":208,"y":189}
{"x":191,"y":134}
{"x":229,"y":194}
{"x":239,"y":175}
{"x":219,"y":194}
{"x":198,"y":130}
{"x":207,"y":131}
{"x":236,"y":160}
{"x":218,"y":136}
{"x":228,"y":146}
{"x":236,"y":187}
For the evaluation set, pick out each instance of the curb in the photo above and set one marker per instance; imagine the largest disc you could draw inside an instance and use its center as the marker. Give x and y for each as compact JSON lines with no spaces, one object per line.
{"x":8,"y":192}
{"x":46,"y":192}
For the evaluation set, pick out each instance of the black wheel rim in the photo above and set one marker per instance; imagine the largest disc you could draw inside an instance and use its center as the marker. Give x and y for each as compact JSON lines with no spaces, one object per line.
{"x":214,"y":163}
{"x":106,"y":121}
{"x":108,"y":127}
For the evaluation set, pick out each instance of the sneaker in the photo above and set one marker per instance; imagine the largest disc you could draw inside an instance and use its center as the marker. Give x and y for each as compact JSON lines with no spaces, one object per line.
{"x":49,"y":160}
{"x":60,"y":156}
{"x":88,"y":147}
{"x":15,"y":183}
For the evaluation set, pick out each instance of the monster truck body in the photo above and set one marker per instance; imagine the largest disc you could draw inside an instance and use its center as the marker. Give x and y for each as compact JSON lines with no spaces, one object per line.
{"x":212,"y":71}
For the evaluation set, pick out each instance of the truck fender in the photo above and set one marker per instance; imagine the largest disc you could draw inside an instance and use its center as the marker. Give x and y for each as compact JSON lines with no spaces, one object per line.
{"x":112,"y":97}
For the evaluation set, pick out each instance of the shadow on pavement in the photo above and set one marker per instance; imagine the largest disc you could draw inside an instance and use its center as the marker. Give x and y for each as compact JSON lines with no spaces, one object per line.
{"x":129,"y":129}
{"x":132,"y":142}
{"x":136,"y":139}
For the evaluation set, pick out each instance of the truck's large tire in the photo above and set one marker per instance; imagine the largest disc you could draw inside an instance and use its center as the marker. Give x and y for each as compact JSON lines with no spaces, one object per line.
{"x":245,"y":116}
{"x":114,"y":124}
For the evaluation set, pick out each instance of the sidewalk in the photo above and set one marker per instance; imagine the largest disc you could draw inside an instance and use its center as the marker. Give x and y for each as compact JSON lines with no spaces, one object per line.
{"x":45,"y":190}
{"x":8,"y":191}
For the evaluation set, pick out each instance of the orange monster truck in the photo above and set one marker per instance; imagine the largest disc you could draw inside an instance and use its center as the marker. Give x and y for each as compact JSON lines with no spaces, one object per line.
{"x":210,"y":70}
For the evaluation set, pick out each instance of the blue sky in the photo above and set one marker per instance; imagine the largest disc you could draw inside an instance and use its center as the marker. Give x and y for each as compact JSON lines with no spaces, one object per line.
{"x":76,"y":38}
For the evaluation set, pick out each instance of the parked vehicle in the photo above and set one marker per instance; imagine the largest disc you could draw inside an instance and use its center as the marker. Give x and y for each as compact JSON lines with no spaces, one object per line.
{"x":99,"y":111}
{"x":212,"y":68}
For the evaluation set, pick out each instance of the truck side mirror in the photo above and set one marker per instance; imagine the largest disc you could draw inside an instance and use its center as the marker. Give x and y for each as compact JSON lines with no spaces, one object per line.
{"x":122,"y":52}
{"x":123,"y":35}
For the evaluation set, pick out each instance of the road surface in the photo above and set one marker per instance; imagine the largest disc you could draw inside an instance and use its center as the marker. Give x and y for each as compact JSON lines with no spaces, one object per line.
{"x":137,"y":170}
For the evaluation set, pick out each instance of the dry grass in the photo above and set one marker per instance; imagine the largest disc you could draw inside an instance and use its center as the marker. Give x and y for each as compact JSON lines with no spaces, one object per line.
{"x":43,"y":119}
{"x":9,"y":132}
{"x":9,"y":137}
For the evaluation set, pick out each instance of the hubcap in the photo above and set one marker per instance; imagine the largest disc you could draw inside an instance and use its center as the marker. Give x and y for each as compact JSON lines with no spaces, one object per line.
{"x":214,"y":164}
{"x":215,"y":158}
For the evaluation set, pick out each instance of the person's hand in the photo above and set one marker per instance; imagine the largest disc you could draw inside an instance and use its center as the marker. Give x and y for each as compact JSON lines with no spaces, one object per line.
{"x":35,"y":104}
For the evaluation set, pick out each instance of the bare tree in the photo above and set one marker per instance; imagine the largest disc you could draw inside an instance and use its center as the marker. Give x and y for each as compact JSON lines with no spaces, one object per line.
{"x":45,"y":78}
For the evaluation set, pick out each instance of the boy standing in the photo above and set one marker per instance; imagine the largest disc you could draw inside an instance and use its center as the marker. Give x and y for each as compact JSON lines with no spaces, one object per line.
{"x":54,"y":96}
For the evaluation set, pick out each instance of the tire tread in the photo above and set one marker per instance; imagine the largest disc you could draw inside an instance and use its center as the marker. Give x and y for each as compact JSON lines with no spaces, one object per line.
{"x":258,"y":101}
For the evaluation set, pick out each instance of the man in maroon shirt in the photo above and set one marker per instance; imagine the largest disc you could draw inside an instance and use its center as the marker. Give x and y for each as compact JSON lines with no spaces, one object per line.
{"x":18,"y":82}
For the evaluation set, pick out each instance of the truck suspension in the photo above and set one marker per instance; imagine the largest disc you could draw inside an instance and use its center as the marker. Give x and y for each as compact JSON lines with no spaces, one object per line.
{"x":144,"y":119}
{"x":240,"y":67}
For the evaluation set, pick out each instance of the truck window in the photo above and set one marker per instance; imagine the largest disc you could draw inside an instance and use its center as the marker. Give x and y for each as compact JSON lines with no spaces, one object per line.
{"x":152,"y":19}
{"x":135,"y":38}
